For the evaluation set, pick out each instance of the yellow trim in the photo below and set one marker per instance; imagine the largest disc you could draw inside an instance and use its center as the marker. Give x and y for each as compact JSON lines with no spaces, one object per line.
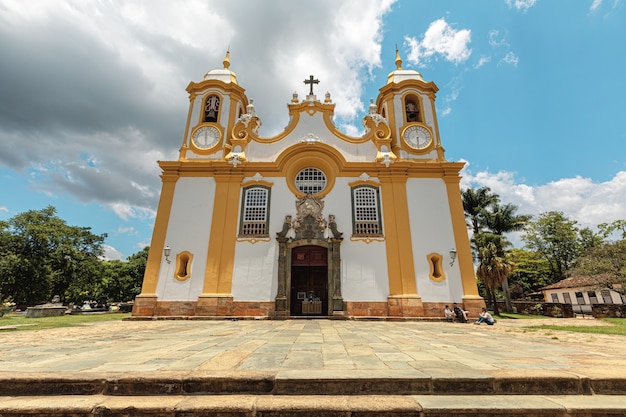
{"x":461,"y":239}
{"x":361,"y":182}
{"x":367,"y":239}
{"x":400,"y":266}
{"x":252,"y":182}
{"x":179,"y":258}
{"x":320,"y":156}
{"x":218,"y":276}
{"x":435,"y":261}
{"x":155,"y":255}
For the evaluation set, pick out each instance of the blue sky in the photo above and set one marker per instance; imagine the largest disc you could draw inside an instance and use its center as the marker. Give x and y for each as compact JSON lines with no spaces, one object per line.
{"x":532,"y":93}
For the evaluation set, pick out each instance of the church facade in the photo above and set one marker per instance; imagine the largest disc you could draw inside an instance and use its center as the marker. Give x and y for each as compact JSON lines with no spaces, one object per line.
{"x":310,"y":222}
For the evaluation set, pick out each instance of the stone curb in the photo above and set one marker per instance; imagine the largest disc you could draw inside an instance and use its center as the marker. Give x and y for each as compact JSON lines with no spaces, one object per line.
{"x":326,"y":406}
{"x":301,"y":383}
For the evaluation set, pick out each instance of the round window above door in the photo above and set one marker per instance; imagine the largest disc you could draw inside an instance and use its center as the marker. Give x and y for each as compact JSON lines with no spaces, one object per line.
{"x":310,"y":181}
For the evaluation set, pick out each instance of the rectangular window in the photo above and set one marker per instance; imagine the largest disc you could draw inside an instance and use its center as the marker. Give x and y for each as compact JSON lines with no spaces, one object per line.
{"x":366,"y":211}
{"x":555,"y":297}
{"x":593,"y":298}
{"x":580,"y":300}
{"x":566,"y":298}
{"x":606,"y":297}
{"x":255,"y":211}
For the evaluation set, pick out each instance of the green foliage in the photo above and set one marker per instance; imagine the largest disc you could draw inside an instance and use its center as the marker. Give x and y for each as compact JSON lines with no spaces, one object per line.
{"x":530,"y":273}
{"x":42,"y":256}
{"x":490,"y":221}
{"x":557,"y":240}
{"x":605,"y":264}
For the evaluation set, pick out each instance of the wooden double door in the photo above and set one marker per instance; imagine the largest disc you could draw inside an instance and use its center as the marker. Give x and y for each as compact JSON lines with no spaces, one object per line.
{"x":309,"y":279}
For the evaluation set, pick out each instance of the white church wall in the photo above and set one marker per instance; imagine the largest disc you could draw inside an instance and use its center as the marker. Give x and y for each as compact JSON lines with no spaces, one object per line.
{"x":256,"y":265}
{"x":364,"y":266}
{"x":255,"y":274}
{"x":188,"y":230}
{"x":264,"y":152}
{"x":431,"y":231}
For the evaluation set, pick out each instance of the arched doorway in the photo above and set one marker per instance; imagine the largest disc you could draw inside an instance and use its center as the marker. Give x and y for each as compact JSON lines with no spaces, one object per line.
{"x":309,"y":281}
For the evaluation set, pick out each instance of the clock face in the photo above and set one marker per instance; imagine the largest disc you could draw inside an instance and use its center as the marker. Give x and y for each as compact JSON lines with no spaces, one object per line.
{"x":417,"y":137}
{"x":206,"y":137}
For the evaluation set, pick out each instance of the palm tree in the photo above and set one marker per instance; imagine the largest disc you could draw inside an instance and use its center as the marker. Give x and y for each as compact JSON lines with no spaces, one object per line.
{"x":494,"y":266}
{"x":475,"y":203}
{"x":500,"y":220}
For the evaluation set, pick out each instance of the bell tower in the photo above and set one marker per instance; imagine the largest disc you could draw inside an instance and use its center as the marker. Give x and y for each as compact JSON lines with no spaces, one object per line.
{"x":408,"y":102}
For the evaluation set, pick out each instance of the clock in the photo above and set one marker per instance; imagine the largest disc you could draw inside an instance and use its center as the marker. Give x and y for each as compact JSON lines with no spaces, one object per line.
{"x":206,"y":137}
{"x":417,"y":136}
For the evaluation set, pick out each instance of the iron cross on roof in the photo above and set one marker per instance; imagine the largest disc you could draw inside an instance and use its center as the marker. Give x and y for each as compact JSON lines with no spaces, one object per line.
{"x":311,"y":81}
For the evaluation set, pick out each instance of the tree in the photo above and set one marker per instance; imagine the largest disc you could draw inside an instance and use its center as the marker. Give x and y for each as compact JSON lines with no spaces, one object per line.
{"x":487,"y":216}
{"x":493,"y":266}
{"x":530,"y":273}
{"x":557,"y":239}
{"x":606,"y":265}
{"x":500,"y":220}
{"x":43,"y":256}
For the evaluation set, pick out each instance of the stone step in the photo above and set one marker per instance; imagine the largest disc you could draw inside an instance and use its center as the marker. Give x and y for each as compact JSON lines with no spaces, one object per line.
{"x":318,"y":406}
{"x":297,"y":382}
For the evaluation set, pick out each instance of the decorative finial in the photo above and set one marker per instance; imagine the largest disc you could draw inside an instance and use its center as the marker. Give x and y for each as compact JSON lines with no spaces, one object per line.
{"x":227,"y":59}
{"x":372,"y":108}
{"x":398,"y":59}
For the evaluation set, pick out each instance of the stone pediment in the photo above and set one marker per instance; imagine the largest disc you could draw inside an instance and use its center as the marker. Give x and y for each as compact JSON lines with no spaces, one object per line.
{"x":309,"y":222}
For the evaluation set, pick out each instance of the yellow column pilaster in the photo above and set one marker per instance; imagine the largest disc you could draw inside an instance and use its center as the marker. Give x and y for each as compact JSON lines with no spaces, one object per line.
{"x":155,"y":255}
{"x":400,"y":264}
{"x":218,"y":277}
{"x":461,"y":239}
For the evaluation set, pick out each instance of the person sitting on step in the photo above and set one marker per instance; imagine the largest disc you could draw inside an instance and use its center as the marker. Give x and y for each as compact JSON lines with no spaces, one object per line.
{"x":461,"y":315}
{"x":485,"y":317}
{"x":449,"y":314}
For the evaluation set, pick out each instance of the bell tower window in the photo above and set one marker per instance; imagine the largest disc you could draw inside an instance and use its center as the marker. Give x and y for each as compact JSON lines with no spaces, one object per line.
{"x":211,"y":108}
{"x":412,"y":109}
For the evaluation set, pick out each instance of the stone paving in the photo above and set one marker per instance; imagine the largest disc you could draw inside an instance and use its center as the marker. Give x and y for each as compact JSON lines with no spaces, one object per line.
{"x":311,"y":368}
{"x":432,"y":348}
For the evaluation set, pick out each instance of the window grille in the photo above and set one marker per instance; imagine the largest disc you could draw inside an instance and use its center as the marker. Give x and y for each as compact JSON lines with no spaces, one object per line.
{"x":310,"y":181}
{"x":366,"y":211}
{"x":254,"y":221}
{"x":555,"y":298}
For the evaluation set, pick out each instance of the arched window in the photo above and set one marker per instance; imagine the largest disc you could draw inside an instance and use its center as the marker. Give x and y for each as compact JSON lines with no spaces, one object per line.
{"x":366,"y":217}
{"x":211,"y":108}
{"x":412,"y":109}
{"x":255,"y":211}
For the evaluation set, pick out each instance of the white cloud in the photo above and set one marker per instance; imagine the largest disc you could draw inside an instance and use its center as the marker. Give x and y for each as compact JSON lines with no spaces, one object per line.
{"x":595,"y":5}
{"x":110,"y":253}
{"x":484,"y":59}
{"x":440,"y":39}
{"x":510,"y":58}
{"x":589,"y":203}
{"x":522,"y":5}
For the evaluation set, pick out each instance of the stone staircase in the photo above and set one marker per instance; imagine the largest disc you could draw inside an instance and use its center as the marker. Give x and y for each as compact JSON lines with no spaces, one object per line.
{"x":319,"y":393}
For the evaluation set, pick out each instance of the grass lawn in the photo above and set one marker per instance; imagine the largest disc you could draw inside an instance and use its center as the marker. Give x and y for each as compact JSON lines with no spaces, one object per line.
{"x":14,"y":322}
{"x":618,"y":327}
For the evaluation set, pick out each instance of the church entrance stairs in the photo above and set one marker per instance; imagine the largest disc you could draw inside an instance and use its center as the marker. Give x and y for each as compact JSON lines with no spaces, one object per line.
{"x":309,"y":368}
